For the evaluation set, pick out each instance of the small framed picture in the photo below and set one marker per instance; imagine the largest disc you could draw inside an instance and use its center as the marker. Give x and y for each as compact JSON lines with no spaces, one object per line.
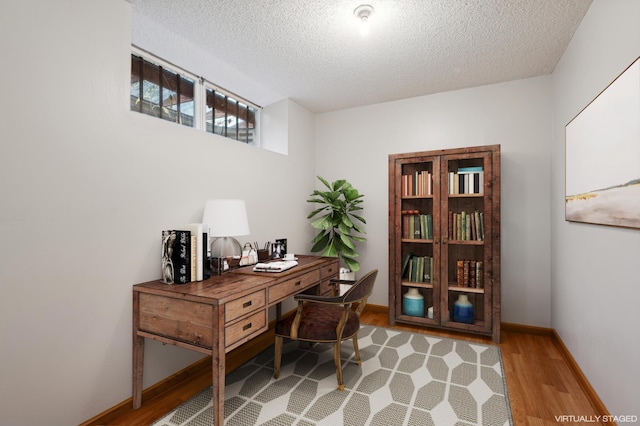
{"x":283,"y":246}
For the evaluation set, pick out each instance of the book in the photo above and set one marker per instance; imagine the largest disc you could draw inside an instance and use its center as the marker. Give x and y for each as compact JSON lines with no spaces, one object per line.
{"x":176,"y":256}
{"x":277,"y":266}
{"x":405,"y":264}
{"x":197,"y":258}
{"x":479,"y":274}
{"x":465,"y":273}
{"x":206,"y":261}
{"x":472,"y":169}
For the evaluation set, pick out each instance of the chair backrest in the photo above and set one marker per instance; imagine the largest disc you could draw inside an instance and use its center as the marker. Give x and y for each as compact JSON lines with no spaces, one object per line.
{"x":361,"y":289}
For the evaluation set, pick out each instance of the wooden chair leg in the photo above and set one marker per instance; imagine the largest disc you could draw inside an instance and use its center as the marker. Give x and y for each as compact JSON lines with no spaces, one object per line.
{"x":338,"y":362}
{"x":277,"y":357}
{"x":356,"y":349}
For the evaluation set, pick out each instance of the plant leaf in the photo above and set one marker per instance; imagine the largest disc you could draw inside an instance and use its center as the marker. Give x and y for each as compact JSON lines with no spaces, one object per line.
{"x":330,"y":250}
{"x":347,"y":221}
{"x":347,"y":241}
{"x":360,"y":218}
{"x":321,"y":235}
{"x":358,"y":229}
{"x":324,"y":181}
{"x":315,"y":212}
{"x":323,"y":222}
{"x":352,"y":264}
{"x":351,"y":194}
{"x":348,"y":251}
{"x":338,"y":184}
{"x":344,"y":229}
{"x":320,"y":244}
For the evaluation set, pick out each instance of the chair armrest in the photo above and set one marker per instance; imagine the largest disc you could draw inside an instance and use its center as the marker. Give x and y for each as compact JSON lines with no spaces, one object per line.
{"x":346,"y":282}
{"x":316,"y":298}
{"x":339,"y":287}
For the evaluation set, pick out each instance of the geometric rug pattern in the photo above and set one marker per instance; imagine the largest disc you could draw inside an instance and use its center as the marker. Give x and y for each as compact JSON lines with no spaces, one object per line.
{"x":405,"y":379}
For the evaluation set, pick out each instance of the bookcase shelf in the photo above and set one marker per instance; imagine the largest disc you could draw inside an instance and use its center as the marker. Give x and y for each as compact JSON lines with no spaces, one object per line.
{"x":449,"y":201}
{"x":453,"y":287}
{"x":416,"y":284}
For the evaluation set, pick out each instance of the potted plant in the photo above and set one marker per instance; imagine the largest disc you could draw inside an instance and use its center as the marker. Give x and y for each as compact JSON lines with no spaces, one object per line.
{"x":336,"y":219}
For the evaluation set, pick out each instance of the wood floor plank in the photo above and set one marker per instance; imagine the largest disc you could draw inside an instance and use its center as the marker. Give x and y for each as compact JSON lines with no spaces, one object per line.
{"x":540,"y":381}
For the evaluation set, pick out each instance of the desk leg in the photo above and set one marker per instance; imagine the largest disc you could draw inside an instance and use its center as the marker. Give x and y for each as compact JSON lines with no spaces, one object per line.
{"x":218,"y":365}
{"x":278,"y":311}
{"x":138,"y":353}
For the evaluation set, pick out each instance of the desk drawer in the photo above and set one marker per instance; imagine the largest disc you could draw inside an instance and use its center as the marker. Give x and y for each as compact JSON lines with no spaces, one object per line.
{"x":293,"y":286}
{"x":330,"y":271}
{"x":239,"y":332}
{"x":182,"y":320}
{"x":244,"y":305}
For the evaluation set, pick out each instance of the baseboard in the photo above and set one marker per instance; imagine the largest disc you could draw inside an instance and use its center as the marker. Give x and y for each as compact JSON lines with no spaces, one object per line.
{"x":593,"y":397}
{"x":527,"y":329}
{"x":377,"y":309}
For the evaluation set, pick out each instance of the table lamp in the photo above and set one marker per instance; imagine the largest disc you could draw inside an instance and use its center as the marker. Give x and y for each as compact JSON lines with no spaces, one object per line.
{"x":225,"y":219}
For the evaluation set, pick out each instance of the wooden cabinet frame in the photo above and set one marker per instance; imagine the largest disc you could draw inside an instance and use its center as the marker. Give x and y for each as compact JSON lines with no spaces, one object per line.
{"x":440,"y":248}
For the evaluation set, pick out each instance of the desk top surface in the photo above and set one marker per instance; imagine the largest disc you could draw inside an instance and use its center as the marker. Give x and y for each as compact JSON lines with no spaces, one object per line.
{"x":220,"y":288}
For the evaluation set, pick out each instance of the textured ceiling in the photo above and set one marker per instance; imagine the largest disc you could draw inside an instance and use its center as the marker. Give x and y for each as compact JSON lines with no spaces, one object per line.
{"x":313,"y":52}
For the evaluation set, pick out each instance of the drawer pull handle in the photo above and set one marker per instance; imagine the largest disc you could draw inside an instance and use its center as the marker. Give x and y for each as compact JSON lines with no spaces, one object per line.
{"x":247,"y":304}
{"x":246,"y":327}
{"x":298,"y":283}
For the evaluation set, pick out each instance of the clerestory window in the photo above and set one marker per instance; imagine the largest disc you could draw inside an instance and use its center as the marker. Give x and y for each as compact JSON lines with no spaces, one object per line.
{"x":164,"y":91}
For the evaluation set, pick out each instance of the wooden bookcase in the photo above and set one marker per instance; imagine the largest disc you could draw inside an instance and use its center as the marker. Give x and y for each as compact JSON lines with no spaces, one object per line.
{"x":444,"y":236}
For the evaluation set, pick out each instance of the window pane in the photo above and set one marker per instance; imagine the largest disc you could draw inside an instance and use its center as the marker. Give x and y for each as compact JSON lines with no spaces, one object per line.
{"x":136,"y":64}
{"x":150,"y":89}
{"x":242,"y":122}
{"x":232,"y":118}
{"x":208,"y":110}
{"x":251,"y":125}
{"x":169,"y":106}
{"x":187,"y":107}
{"x":220,"y":114}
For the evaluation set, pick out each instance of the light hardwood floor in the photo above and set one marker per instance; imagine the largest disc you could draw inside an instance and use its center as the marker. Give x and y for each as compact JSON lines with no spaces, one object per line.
{"x":542,"y":381}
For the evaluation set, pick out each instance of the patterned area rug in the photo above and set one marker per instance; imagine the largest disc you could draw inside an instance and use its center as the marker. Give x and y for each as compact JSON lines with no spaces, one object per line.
{"x":405,"y":379}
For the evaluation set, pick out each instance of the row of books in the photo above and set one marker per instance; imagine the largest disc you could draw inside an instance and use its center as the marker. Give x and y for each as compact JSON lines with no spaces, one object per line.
{"x":467,"y":180}
{"x":417,"y":183}
{"x":469,"y":273}
{"x":417,"y":269}
{"x":184,"y":254}
{"x":466,"y":226}
{"x":416,"y":226}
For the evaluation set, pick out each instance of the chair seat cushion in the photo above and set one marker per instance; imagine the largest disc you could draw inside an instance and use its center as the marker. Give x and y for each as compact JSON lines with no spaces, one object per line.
{"x":319,"y":322}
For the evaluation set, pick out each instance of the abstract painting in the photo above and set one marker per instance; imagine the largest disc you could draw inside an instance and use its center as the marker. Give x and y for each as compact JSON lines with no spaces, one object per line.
{"x":602,"y":184}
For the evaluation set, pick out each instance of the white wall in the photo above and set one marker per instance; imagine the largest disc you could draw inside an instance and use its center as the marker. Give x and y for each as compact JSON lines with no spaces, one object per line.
{"x":86,"y":186}
{"x":595,"y":284}
{"x":354,"y":144}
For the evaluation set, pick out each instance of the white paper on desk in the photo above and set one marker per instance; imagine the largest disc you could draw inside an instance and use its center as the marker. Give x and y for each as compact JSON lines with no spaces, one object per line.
{"x":277,"y":266}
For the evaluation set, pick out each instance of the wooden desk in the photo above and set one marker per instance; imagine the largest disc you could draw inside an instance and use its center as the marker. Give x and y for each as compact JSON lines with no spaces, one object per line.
{"x":219,"y":314}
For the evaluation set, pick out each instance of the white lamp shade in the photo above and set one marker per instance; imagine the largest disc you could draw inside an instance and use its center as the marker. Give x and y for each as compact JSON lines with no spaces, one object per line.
{"x":226,"y":218}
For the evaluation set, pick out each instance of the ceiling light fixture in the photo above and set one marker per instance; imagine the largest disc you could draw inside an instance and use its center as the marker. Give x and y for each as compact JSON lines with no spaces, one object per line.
{"x":363,"y":12}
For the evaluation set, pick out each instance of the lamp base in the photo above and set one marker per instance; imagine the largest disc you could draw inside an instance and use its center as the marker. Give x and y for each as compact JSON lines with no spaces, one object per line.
{"x":227,"y":247}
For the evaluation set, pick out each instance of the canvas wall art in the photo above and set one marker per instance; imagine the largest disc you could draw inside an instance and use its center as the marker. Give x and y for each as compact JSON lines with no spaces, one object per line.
{"x":602,"y":184}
